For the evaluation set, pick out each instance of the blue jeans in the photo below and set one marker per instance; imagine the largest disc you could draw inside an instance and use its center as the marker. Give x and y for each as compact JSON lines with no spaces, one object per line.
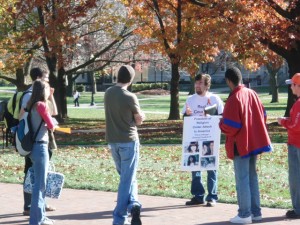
{"x":294,"y":176}
{"x":126,"y":157}
{"x":40,"y":163}
{"x":197,"y":188}
{"x":247,"y":186}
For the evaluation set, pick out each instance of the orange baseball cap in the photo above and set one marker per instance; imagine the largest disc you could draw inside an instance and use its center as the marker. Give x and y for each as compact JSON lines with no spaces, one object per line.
{"x":295,"y":79}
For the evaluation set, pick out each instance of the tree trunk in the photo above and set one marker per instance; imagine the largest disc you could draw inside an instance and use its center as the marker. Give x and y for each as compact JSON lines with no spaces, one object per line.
{"x":273,"y":82}
{"x":20,"y":80}
{"x":192,"y":89}
{"x":274,"y":87}
{"x":60,"y":96}
{"x":174,"y":103}
{"x":70,"y":86}
{"x":294,"y":67}
{"x":58,"y":82}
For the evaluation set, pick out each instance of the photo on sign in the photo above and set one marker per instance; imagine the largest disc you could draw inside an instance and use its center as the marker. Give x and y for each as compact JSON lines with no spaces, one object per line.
{"x":207,"y":148}
{"x":191,"y":147}
{"x":208,"y":162}
{"x":191,"y":160}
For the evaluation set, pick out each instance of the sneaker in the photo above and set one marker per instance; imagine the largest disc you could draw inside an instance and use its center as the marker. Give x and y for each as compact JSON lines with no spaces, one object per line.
{"x":135,"y":214}
{"x":240,"y":220}
{"x":291,"y":214}
{"x":26,"y":212}
{"x":47,"y":221}
{"x":50,"y":208}
{"x":256,"y":218}
{"x":195,"y":201}
{"x":211,"y":203}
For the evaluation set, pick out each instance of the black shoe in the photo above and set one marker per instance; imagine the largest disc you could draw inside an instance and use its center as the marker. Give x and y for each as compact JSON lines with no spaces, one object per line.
{"x":135,"y":214}
{"x":211,"y":203}
{"x":26,"y":212}
{"x":195,"y":201}
{"x":292,"y":214}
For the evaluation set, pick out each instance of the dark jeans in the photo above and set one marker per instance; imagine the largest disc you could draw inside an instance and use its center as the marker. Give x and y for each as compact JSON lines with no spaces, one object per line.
{"x":76,"y":102}
{"x":198,"y":190}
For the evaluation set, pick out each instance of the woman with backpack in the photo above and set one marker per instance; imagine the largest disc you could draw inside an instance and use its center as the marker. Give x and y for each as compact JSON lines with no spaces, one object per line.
{"x":37,"y":106}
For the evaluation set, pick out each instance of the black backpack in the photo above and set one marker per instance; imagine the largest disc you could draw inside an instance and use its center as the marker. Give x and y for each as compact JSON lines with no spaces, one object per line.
{"x":3,"y":106}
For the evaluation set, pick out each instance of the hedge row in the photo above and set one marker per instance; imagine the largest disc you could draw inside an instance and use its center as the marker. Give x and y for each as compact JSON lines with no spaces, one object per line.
{"x":149,"y":86}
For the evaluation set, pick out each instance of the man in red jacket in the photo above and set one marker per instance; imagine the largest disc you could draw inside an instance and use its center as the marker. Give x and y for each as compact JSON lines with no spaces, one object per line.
{"x":244,"y":124}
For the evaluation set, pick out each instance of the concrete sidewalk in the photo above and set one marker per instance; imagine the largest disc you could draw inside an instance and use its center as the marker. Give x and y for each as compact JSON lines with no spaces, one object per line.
{"x":81,"y":207}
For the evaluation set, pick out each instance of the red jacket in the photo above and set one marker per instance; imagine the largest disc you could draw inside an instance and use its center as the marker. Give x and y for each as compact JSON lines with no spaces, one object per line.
{"x":244,"y":124}
{"x":292,"y":124}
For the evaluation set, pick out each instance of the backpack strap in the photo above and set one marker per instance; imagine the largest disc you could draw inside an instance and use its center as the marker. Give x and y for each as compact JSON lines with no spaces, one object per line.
{"x":30,"y":125}
{"x":36,"y":133}
{"x":21,"y":99}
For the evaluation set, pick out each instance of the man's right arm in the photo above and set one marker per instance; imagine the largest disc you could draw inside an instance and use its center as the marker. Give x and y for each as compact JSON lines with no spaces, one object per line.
{"x":187,"y":111}
{"x":139,"y":117}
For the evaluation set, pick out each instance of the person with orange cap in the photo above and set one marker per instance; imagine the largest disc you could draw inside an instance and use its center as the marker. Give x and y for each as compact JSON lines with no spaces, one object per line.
{"x":292,"y":124}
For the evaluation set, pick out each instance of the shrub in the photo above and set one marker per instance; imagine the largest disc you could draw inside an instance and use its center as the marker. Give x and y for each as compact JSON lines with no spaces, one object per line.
{"x":4,"y":82}
{"x":80,"y":88}
{"x":149,"y":86}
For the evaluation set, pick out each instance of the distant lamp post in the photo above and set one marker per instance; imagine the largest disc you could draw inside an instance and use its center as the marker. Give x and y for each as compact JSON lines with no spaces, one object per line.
{"x":93,"y":87}
{"x":161,"y":75}
{"x":92,"y":82}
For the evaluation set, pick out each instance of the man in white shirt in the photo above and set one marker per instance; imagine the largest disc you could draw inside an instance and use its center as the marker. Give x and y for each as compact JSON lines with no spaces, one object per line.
{"x":195,"y":106}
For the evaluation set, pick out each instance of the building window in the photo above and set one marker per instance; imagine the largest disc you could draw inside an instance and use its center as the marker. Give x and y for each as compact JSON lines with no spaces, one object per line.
{"x":223,"y":67}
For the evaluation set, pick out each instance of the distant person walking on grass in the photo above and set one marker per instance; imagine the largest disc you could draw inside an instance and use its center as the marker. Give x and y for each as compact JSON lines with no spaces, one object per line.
{"x":292,"y":124}
{"x":244,"y":124}
{"x":122,"y":115}
{"x":195,"y":106}
{"x":76,"y":97}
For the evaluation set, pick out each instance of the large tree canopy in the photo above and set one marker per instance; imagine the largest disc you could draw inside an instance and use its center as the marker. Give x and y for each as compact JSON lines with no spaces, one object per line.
{"x":68,"y":35}
{"x":185,"y":33}
{"x":261,"y":26}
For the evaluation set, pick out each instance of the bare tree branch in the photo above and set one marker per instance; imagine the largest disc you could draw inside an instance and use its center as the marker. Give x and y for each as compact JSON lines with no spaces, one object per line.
{"x":202,"y":4}
{"x":280,"y":10}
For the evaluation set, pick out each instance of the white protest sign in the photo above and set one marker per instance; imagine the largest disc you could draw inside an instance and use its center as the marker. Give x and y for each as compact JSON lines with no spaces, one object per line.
{"x":200,"y":143}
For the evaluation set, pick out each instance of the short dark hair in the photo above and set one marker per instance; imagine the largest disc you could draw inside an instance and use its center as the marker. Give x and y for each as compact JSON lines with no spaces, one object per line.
{"x":126,"y":74}
{"x":234,"y":75}
{"x":36,"y":73}
{"x":207,"y":79}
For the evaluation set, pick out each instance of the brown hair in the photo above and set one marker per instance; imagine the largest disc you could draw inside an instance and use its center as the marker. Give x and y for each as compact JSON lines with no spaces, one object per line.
{"x":38,"y":93}
{"x":207,"y":79}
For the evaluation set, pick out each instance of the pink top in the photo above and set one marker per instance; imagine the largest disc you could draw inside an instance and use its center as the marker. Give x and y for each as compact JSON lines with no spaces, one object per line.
{"x":41,"y":108}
